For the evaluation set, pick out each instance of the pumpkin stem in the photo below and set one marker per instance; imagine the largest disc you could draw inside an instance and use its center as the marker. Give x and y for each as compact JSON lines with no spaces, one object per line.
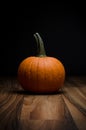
{"x":40,"y":46}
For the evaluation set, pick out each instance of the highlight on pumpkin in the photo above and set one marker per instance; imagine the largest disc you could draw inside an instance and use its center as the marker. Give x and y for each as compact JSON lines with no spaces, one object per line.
{"x":41,"y":73}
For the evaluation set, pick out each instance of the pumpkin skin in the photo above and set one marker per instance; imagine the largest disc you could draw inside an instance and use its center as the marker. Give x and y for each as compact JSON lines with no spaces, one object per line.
{"x":41,"y":74}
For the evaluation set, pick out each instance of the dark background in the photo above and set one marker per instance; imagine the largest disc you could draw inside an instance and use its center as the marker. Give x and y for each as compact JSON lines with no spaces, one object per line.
{"x":61,"y":25}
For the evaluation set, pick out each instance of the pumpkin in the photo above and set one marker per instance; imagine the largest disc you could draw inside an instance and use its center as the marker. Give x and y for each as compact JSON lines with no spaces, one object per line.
{"x":41,"y":73}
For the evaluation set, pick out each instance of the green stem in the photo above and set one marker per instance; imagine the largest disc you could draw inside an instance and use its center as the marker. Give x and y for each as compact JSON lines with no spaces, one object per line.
{"x":40,"y":46}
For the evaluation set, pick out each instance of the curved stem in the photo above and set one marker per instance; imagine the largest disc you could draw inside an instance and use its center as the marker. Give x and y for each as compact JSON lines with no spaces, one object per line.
{"x":40,"y":45}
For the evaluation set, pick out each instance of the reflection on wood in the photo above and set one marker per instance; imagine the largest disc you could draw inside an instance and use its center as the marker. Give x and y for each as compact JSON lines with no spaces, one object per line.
{"x":20,"y":110}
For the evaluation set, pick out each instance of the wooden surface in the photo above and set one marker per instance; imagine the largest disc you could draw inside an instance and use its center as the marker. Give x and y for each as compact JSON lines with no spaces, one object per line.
{"x":20,"y":110}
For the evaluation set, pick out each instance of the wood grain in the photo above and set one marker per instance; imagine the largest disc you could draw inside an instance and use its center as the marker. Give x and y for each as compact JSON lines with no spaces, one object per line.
{"x":21,"y":110}
{"x":75,"y":91}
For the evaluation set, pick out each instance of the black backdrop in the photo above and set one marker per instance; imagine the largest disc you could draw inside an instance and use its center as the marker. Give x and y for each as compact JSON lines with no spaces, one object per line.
{"x":61,"y":25}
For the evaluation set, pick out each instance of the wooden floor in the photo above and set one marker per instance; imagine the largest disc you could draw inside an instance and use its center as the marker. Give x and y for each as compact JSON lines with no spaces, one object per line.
{"x":20,"y":110}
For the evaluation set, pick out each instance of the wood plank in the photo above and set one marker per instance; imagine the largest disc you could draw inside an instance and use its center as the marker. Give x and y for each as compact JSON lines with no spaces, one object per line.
{"x":21,"y":110}
{"x":10,"y":105}
{"x":75,"y":95}
{"x":43,"y":107}
{"x":78,"y":117}
{"x":48,"y":111}
{"x":79,"y":82}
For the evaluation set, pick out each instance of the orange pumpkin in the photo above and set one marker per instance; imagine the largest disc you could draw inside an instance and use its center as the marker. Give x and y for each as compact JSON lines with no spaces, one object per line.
{"x":41,"y":74}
